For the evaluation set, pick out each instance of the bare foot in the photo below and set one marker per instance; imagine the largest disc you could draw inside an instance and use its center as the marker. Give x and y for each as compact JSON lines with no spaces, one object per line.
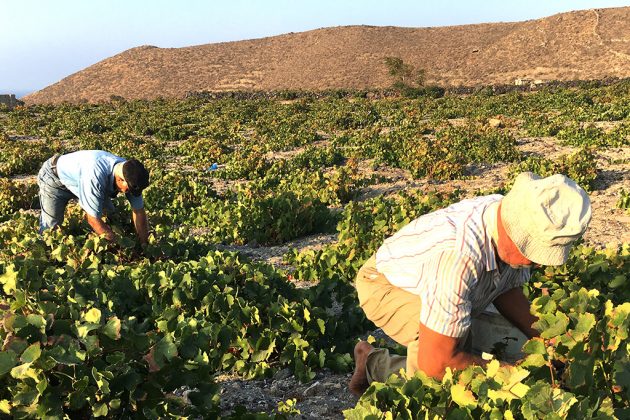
{"x":359,"y":383}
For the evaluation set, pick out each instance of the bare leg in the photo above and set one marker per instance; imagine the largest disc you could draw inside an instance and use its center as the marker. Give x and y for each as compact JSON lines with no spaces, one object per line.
{"x":359,"y":382}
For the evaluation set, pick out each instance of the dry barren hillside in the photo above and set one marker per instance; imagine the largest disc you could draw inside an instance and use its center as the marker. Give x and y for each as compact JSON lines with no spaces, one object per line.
{"x":588,"y":44}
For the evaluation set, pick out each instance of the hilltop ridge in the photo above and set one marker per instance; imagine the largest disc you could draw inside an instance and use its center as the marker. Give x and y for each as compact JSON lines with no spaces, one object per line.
{"x":586,"y":44}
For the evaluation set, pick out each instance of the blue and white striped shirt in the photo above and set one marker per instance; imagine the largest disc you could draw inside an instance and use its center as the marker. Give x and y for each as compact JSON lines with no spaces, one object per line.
{"x":448,"y":259}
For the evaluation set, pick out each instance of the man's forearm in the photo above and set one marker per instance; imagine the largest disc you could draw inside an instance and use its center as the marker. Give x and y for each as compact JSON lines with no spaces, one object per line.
{"x":436,"y":352}
{"x":141,"y":223}
{"x":459,"y":360}
{"x":515,"y":307}
{"x":100,"y":227}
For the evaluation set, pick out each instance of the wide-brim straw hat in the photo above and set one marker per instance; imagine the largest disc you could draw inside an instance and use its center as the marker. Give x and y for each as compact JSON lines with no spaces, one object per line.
{"x":544,"y":216}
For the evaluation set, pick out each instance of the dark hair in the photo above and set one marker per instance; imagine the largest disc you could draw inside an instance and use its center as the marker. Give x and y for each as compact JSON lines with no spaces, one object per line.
{"x":136,"y":175}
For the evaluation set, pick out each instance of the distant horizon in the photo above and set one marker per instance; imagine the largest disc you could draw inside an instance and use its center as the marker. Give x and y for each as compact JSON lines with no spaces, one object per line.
{"x":19,"y":93}
{"x":65,"y":37}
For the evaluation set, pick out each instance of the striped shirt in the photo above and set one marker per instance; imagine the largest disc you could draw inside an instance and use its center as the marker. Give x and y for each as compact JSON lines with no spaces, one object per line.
{"x":447,"y":258}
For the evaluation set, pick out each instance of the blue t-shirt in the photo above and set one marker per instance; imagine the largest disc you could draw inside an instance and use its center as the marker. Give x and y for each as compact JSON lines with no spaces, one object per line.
{"x":89,"y":174}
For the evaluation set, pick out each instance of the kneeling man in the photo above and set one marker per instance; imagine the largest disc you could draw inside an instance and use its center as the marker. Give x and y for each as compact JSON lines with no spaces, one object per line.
{"x":426,"y":283}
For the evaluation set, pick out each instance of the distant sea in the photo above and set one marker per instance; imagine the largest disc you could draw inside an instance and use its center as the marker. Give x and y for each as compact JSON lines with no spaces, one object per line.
{"x":18,"y":92}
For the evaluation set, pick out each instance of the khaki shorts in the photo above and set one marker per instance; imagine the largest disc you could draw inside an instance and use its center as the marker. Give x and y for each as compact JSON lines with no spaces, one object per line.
{"x":397,"y":313}
{"x":394,"y":310}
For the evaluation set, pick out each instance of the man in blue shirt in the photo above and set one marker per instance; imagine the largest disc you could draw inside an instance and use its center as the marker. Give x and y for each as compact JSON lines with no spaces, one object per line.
{"x":93,"y":177}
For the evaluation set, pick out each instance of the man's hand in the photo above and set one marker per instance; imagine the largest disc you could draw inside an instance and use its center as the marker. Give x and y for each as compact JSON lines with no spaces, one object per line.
{"x":436,"y":352}
{"x":514,"y":306}
{"x":101,"y":228}
{"x":141,"y":223}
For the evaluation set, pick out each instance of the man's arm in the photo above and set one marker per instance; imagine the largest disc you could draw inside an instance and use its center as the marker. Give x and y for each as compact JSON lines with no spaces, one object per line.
{"x":109,"y":208}
{"x":436,"y":352}
{"x":141,"y":224}
{"x":100,"y":227}
{"x":514,"y":306}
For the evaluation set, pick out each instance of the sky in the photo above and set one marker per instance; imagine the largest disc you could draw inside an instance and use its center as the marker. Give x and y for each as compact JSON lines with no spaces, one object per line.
{"x":43,"y":41}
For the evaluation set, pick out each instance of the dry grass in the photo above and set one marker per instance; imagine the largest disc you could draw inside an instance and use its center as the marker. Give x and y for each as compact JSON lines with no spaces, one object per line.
{"x":588,"y":44}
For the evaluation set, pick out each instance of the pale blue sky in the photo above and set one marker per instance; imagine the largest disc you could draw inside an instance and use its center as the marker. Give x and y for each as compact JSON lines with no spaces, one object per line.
{"x":42,"y":41}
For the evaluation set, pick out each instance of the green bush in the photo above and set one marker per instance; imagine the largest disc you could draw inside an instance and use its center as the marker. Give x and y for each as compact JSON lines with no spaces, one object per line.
{"x":580,"y":166}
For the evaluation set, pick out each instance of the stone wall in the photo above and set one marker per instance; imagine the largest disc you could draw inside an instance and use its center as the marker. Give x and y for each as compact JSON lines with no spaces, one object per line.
{"x":10,"y":101}
{"x":431,"y":91}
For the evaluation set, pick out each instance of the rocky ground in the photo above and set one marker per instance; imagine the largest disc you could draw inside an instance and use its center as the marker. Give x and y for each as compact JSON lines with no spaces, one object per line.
{"x":323,"y":398}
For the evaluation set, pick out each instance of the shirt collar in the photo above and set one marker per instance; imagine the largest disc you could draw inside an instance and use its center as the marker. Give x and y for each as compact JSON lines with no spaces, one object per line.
{"x":490,"y":230}
{"x":112,"y":184}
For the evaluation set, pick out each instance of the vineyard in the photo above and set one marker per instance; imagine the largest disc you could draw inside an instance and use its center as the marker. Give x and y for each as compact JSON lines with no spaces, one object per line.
{"x":170,"y":330}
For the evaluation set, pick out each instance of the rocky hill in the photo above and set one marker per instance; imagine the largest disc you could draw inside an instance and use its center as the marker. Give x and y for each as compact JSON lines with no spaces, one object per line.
{"x":588,"y":44}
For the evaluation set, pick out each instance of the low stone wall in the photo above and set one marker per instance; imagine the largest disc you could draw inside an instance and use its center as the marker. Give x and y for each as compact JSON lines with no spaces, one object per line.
{"x":390,"y":92}
{"x":10,"y":101}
